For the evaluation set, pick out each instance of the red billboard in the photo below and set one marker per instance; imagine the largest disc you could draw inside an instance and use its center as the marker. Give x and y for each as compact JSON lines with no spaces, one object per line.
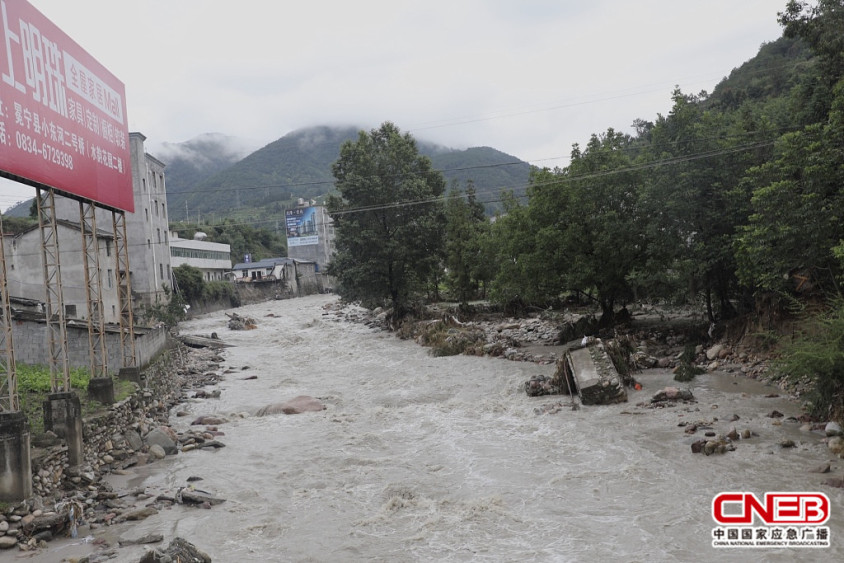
{"x":62,"y":115}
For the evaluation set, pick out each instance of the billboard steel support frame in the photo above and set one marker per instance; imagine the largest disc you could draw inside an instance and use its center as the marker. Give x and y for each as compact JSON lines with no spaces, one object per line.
{"x":124,"y":289}
{"x":93,"y":289}
{"x":54,"y":301}
{"x":9,"y":401}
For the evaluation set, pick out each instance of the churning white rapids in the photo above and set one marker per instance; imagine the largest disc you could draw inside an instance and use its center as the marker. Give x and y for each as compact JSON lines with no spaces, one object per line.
{"x":418,"y":458}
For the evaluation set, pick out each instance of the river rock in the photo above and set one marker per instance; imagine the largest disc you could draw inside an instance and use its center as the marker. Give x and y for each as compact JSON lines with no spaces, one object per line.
{"x":836,"y":482}
{"x":141,"y":513}
{"x":50,"y":521}
{"x":133,"y":439}
{"x":8,"y":542}
{"x":672,"y":394}
{"x":833,"y":429}
{"x":714,"y":352}
{"x":148,"y":538}
{"x":194,"y":496}
{"x":821,"y":469}
{"x":209,"y":420}
{"x":159,"y":437}
{"x":298,"y":405}
{"x":542,"y":385}
{"x":836,"y":445}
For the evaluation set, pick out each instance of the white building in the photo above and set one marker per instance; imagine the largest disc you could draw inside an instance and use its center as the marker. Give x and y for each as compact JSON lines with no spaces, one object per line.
{"x":147,"y":243}
{"x":214,"y":259}
{"x":25,"y":270}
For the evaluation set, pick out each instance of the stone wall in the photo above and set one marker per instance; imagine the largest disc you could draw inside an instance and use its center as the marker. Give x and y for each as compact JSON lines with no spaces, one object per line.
{"x":32,"y":345}
{"x":112,"y":438}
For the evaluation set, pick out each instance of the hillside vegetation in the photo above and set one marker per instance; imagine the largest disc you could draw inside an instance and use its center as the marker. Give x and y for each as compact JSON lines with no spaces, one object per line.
{"x":731,"y":204}
{"x":262,"y":185}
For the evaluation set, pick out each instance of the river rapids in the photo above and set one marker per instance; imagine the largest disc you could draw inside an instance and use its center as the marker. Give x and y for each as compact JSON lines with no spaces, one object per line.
{"x":418,"y":458}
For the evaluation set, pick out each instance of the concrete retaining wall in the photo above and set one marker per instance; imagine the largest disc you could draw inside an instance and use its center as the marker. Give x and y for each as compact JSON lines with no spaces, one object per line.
{"x":32,"y":344}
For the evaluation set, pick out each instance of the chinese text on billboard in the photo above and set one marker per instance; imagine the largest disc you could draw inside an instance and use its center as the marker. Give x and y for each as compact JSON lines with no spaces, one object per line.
{"x":301,"y":226}
{"x":62,"y":115}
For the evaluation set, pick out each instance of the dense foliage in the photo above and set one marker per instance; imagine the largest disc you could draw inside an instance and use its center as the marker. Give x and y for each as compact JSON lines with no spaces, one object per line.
{"x":388,"y":218}
{"x":194,"y":289}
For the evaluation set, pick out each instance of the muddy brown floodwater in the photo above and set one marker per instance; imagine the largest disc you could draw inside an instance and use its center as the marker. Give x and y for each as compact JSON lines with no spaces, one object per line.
{"x":420,"y":458}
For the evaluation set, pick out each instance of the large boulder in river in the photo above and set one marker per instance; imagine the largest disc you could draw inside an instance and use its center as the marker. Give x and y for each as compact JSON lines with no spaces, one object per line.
{"x":163,"y":437}
{"x":300,"y":404}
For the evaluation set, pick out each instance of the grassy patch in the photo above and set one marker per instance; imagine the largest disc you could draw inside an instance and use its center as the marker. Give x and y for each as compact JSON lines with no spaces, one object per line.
{"x":33,"y":383}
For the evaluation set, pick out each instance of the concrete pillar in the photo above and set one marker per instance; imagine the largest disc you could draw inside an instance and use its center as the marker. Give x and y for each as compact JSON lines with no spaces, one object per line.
{"x":101,"y":389}
{"x":15,"y":468}
{"x":63,"y":415}
{"x":131,"y":374}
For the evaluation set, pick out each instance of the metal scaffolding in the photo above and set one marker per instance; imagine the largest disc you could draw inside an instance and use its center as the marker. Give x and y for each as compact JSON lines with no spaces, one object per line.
{"x":97,"y":351}
{"x":54,"y":302}
{"x":8,"y":377}
{"x":124,"y":290}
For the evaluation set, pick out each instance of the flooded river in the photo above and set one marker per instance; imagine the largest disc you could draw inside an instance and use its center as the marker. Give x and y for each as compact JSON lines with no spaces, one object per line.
{"x":445,"y":459}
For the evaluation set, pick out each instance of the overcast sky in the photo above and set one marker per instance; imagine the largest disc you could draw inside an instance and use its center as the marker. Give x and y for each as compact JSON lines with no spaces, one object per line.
{"x":527,"y":77}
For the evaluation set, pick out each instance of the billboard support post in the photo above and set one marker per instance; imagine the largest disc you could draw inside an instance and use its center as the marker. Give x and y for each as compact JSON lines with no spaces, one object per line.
{"x":54,"y":301}
{"x":93,"y":289}
{"x":124,"y":290}
{"x":8,"y":377}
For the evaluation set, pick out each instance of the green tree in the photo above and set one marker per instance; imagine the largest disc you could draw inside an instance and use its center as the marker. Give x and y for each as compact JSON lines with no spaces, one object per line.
{"x":465,"y":222}
{"x":586,"y":230}
{"x":388,"y":219}
{"x":695,"y":202}
{"x":522,"y":275}
{"x":190,"y":282}
{"x":820,"y":26}
{"x":798,"y":207}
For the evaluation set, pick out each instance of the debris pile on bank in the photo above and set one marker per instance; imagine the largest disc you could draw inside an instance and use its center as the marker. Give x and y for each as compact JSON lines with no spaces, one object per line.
{"x":236,"y":322}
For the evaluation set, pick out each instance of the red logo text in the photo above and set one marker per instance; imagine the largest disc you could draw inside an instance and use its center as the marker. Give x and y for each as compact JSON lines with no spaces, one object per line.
{"x":777,"y":508}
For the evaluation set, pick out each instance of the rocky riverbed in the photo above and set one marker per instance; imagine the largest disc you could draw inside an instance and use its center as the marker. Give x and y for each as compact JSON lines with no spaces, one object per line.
{"x":116,"y":510}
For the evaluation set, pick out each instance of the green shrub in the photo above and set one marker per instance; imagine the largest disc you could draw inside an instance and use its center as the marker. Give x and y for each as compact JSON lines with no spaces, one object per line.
{"x":687,"y":370}
{"x":817,"y":355}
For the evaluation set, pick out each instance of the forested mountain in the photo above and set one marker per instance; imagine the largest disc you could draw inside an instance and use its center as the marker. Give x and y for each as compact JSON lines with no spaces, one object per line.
{"x":203,"y":156}
{"x":298,"y":165}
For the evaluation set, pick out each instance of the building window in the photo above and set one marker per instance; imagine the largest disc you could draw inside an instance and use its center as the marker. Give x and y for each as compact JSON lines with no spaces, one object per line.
{"x":108,"y":248}
{"x":149,"y":243}
{"x":159,"y":235}
{"x":109,"y":276}
{"x":165,"y":233}
{"x":161,"y":270}
{"x":156,"y":209}
{"x":70,"y":311}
